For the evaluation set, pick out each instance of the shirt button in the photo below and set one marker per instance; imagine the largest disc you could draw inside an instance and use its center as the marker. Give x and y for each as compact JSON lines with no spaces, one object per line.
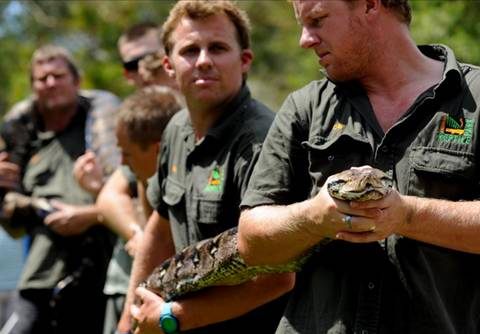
{"x":385,"y":149}
{"x":330,"y":157}
{"x":371,"y":286}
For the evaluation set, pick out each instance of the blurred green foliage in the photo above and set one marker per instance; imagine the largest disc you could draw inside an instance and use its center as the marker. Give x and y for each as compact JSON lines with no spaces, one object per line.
{"x":90,"y":30}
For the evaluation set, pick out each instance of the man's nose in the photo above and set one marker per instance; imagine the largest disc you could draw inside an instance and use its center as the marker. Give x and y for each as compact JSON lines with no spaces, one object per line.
{"x":50,"y":80}
{"x":308,"y":39}
{"x":204,"y":59}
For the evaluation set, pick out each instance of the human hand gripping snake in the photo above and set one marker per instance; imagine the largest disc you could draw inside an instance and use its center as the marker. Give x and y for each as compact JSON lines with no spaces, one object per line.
{"x":216,"y":261}
{"x":358,"y":184}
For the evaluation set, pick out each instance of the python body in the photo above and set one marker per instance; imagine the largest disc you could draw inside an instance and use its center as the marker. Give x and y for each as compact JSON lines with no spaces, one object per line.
{"x":216,"y":261}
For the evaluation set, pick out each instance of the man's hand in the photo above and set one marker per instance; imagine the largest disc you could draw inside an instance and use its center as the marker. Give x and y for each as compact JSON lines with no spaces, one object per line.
{"x":327,"y":216}
{"x":88,"y":173}
{"x":393,"y":211}
{"x":148,"y":313}
{"x":9,"y":173}
{"x":68,"y":220}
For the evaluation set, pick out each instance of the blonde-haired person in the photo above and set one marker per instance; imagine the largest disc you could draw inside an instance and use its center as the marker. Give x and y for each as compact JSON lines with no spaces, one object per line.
{"x":208,"y":151}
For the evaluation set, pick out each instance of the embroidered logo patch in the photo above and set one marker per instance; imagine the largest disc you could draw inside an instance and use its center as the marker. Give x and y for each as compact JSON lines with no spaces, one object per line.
{"x":459,"y":130}
{"x":338,"y":126}
{"x":215,"y":180}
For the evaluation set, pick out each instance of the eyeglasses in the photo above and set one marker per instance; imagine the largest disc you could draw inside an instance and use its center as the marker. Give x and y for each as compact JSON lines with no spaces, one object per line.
{"x":132,"y":65}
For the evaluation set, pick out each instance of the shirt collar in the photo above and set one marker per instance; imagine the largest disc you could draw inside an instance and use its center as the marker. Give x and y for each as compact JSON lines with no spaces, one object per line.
{"x":452,"y":80}
{"x":231,"y":112}
{"x":226,"y":121}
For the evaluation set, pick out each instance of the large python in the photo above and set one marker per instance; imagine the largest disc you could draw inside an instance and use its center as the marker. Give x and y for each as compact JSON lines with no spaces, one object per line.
{"x":216,"y":261}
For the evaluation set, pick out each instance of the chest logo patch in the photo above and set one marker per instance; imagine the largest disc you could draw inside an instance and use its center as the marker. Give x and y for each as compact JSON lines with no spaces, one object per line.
{"x":215,"y":180}
{"x":338,"y":126}
{"x":453,"y":129}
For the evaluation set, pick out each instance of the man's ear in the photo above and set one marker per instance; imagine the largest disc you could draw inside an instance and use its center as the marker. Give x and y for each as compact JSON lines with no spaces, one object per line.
{"x":372,"y":6}
{"x":247,"y":58}
{"x":77,"y":81}
{"x":167,"y":66}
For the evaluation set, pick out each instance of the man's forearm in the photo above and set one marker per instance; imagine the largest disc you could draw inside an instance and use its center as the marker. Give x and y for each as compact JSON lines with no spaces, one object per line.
{"x":156,"y":247}
{"x":228,"y":302}
{"x":274,"y":234}
{"x":454,"y":225}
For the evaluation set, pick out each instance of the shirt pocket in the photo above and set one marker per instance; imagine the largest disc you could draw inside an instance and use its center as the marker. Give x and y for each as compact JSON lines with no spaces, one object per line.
{"x":174,"y":198}
{"x":174,"y":192}
{"x":42,"y":173}
{"x":327,"y":156}
{"x":442,"y":173}
{"x":210,"y":216}
{"x":209,"y":209}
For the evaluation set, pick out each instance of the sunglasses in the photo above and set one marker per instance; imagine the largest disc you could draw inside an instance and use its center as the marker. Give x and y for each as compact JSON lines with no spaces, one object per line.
{"x":132,"y":64}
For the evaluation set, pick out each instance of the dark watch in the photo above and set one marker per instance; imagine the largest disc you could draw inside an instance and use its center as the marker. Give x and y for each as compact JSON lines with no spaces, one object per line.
{"x":168,"y":322}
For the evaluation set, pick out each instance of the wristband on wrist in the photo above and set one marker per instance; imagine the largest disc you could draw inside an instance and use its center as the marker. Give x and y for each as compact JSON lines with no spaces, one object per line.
{"x":168,"y":322}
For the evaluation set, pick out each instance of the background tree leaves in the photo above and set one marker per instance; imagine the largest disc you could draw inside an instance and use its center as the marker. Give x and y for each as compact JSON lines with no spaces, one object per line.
{"x":90,"y":30}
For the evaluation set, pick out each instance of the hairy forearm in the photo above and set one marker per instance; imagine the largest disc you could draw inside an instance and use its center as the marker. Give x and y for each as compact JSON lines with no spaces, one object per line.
{"x":275,"y":234}
{"x":454,"y":225}
{"x":228,"y":302}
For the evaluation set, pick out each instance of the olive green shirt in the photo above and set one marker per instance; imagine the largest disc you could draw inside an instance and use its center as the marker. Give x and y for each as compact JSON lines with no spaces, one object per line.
{"x":202,"y":182}
{"x":199,"y":186}
{"x":398,"y":285}
{"x":48,"y":173}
